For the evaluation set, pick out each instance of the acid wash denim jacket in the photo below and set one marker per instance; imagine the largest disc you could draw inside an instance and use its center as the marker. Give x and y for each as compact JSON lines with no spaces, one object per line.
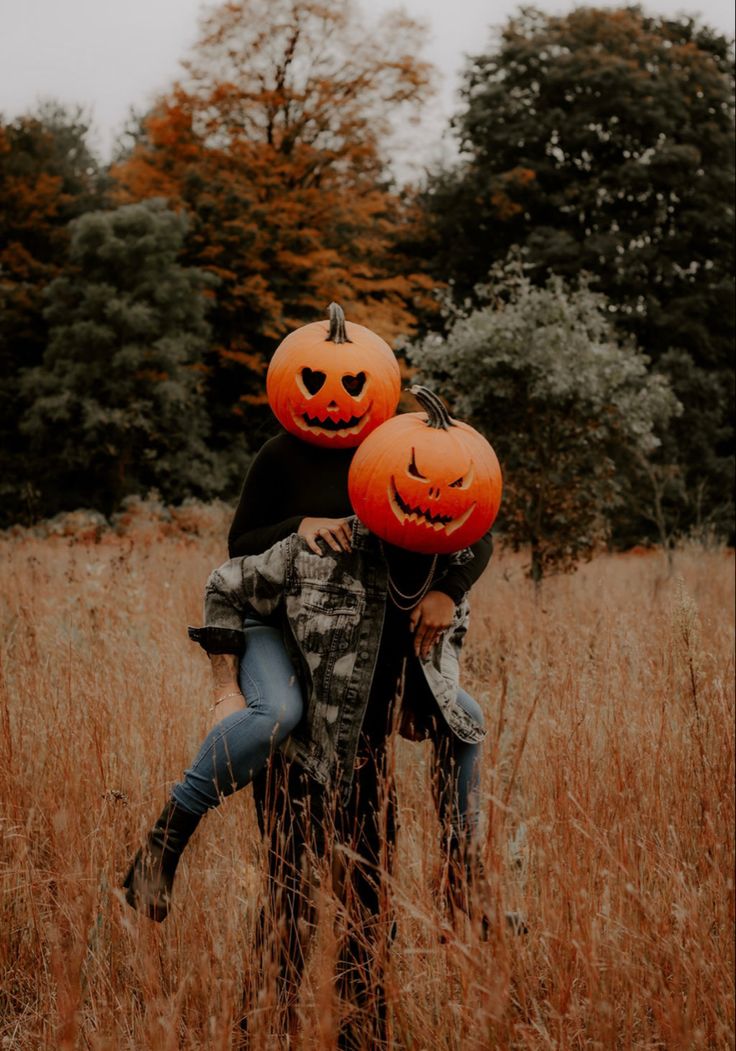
{"x":334,"y":608}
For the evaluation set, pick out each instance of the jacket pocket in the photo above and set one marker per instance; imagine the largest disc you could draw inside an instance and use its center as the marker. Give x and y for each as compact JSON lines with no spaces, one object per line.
{"x":330,"y":601}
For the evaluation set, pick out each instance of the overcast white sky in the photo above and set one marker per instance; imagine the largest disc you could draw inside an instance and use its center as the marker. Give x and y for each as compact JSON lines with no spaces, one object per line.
{"x":109,"y":55}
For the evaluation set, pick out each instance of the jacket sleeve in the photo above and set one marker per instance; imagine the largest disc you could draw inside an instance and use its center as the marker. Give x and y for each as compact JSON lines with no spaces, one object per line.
{"x":459,"y":579}
{"x":259,"y":521}
{"x":255,"y":583}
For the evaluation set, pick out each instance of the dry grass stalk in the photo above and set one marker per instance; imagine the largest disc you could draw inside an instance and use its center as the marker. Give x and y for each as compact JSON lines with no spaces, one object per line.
{"x":608,"y":789}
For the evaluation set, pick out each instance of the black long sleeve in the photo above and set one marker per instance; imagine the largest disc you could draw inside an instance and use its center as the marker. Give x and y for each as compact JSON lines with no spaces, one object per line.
{"x":287,"y":481}
{"x":459,"y":579}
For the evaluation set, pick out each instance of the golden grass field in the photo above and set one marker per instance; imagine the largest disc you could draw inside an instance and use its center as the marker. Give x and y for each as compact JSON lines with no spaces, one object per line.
{"x":608,"y":792}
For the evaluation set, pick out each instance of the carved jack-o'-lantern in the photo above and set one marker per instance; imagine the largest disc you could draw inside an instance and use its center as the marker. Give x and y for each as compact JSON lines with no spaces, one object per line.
{"x":333,"y":383}
{"x":426,"y":482}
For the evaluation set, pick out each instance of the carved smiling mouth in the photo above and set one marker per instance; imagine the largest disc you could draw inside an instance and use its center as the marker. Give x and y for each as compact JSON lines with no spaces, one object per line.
{"x":331,"y":426}
{"x":406,"y":513}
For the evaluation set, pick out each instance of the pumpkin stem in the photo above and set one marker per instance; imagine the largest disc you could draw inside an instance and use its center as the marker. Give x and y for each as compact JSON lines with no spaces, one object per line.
{"x":337,"y":333}
{"x":437,"y":414}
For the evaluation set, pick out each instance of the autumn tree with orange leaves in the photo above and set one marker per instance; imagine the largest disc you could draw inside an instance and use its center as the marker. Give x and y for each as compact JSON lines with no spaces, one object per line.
{"x":276,"y":144}
{"x":48,"y":176}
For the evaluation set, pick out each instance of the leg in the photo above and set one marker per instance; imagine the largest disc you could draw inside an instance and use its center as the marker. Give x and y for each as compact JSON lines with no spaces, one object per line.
{"x":456,"y":783}
{"x":290,"y":815}
{"x":457,"y":775}
{"x":366,"y":825}
{"x":457,"y":786}
{"x":231,"y":755}
{"x":238,"y":747}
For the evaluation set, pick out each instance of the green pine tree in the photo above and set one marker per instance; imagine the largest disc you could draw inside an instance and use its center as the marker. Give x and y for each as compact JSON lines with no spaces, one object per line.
{"x":117,"y":402}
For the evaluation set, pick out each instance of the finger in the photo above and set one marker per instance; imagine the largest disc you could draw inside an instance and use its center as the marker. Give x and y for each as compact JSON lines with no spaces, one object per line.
{"x":430,"y":644}
{"x":312,"y":544}
{"x":420,"y":641}
{"x":329,"y":539}
{"x":346,"y":535}
{"x":338,"y":534}
{"x":415,"y":618}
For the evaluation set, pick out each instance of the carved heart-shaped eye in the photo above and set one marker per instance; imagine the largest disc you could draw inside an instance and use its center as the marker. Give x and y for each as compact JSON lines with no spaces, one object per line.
{"x":354,"y":384}
{"x":313,"y":380}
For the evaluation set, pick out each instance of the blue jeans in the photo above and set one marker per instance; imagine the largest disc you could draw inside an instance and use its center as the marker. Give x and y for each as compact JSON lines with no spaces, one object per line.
{"x":239,"y":746}
{"x":458,"y":774}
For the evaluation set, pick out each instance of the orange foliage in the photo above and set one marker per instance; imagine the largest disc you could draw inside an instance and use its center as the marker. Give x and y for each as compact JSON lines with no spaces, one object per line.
{"x":274,"y":146}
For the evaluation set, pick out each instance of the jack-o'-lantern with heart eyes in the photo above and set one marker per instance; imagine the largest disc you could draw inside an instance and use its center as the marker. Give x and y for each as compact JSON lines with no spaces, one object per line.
{"x":426,"y":482}
{"x":333,"y":382}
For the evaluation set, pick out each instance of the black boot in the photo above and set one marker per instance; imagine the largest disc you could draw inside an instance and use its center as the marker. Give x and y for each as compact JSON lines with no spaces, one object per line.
{"x":151,"y":875}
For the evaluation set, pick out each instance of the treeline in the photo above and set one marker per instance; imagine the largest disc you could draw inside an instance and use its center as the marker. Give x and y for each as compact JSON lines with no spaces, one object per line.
{"x":567,"y":282}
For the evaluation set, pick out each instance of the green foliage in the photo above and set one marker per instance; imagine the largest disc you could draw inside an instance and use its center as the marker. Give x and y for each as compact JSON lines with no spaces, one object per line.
{"x":48,"y":176}
{"x":540,"y":371}
{"x":117,"y":405}
{"x":603,"y":141}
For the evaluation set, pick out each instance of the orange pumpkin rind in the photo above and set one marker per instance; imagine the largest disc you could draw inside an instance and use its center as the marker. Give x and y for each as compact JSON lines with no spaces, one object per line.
{"x":426,"y":482}
{"x":331,"y":383}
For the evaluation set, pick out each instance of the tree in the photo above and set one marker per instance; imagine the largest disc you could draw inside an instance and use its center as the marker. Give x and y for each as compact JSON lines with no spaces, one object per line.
{"x":603,"y":141}
{"x":48,"y":176}
{"x":116,"y":403}
{"x":566,"y":406}
{"x":274,"y":145}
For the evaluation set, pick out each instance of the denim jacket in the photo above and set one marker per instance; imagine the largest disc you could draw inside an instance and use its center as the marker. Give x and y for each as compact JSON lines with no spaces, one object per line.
{"x":334,"y":608}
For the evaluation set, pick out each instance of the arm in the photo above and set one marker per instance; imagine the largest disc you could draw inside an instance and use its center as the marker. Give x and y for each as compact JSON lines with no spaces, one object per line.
{"x":260,"y":521}
{"x":458,"y":580}
{"x":433,"y":615}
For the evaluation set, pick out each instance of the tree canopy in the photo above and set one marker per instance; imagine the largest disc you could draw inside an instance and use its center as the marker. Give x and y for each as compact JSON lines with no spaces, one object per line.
{"x":541,"y":372}
{"x":596,"y":143}
{"x":603,"y":141}
{"x":116,"y":405}
{"x":274,"y":145}
{"x":48,"y":176}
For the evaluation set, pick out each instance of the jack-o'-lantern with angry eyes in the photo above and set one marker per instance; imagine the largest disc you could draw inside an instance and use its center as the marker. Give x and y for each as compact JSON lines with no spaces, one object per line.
{"x":426,"y":482}
{"x":333,"y":382}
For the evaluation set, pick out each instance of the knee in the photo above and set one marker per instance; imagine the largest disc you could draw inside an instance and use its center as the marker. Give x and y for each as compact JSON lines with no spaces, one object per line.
{"x":471,"y":707}
{"x":287,"y":715}
{"x":276,"y":705}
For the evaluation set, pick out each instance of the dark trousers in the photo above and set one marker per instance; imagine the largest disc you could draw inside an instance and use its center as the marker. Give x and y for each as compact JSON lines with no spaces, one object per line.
{"x":308,"y":831}
{"x":304,"y":824}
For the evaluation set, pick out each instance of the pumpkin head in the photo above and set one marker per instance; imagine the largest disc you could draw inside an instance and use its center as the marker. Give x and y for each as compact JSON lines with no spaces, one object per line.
{"x":332,"y":383}
{"x":426,"y":482}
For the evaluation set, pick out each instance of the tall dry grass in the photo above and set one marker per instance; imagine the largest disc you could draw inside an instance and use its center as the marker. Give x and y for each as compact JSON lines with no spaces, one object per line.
{"x":608,"y":798}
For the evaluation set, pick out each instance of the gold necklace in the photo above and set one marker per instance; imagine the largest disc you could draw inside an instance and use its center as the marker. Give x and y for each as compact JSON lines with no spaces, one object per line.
{"x":395,"y":593}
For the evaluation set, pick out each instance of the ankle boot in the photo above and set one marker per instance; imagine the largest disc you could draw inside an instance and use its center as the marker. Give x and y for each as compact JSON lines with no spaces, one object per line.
{"x":151,"y":875}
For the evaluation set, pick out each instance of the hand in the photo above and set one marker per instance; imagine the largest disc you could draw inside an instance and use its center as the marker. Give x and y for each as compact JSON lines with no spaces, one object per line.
{"x":429,"y":620}
{"x":334,"y":531}
{"x":226,"y":703}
